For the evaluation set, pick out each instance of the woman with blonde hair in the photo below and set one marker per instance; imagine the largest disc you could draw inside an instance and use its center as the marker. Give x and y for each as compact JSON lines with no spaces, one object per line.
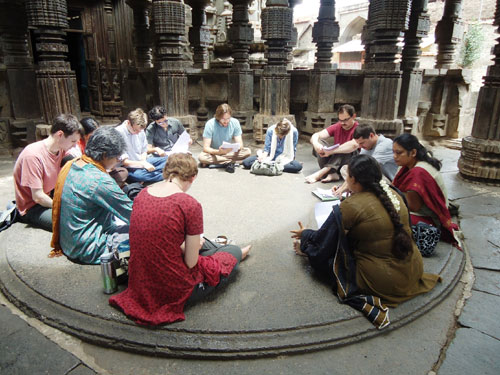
{"x":166,"y":267}
{"x":280,"y":147}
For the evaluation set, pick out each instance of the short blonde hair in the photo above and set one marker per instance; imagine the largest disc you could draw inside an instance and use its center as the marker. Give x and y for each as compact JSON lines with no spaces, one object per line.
{"x":182,"y":166}
{"x":138,"y":117}
{"x":221,"y":110}
{"x":283,"y":127}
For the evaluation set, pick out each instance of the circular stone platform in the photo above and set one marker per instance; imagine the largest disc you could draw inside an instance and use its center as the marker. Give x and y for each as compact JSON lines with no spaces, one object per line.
{"x":274,"y":306}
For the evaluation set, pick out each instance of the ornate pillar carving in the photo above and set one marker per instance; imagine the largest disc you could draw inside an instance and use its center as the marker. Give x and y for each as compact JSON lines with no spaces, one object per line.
{"x":18,"y":102}
{"x":412,"y":76}
{"x":367,"y":35}
{"x":142,"y":33}
{"x":240,"y":36}
{"x":382,"y":83}
{"x":56,"y":82}
{"x":449,"y":31}
{"x":275,"y":81}
{"x":480,"y":159}
{"x":320,"y":109}
{"x":199,"y":34}
{"x":293,"y":37}
{"x":169,"y":26}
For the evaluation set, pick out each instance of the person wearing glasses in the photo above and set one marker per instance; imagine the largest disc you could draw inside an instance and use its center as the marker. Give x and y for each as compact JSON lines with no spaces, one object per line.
{"x":163,"y":131}
{"x":331,"y":160}
{"x":141,"y":168}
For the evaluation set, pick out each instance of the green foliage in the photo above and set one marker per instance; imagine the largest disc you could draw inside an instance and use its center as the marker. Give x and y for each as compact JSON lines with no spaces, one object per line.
{"x":471,"y":50}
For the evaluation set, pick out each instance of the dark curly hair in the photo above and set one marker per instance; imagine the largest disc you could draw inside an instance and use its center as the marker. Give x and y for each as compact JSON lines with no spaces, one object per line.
{"x":366,"y":171}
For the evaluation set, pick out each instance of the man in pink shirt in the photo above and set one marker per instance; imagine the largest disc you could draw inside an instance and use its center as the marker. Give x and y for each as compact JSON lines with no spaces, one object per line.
{"x":330,"y":161}
{"x":36,"y":170}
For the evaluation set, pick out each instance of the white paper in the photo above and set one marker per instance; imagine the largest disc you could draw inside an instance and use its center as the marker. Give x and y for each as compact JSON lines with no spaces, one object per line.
{"x":181,"y":145}
{"x":322,"y":210}
{"x":235,"y":147}
{"x":329,"y":148}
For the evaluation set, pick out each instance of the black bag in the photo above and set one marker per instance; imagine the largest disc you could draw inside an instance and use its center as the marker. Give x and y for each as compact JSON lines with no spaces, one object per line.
{"x":426,"y":236}
{"x":133,"y":189}
{"x":9,"y":216}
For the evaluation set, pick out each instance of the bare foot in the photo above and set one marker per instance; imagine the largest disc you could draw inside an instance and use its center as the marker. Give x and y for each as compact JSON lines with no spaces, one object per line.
{"x":331,"y":178}
{"x":296,"y":247}
{"x":244,"y":251}
{"x":312,"y":178}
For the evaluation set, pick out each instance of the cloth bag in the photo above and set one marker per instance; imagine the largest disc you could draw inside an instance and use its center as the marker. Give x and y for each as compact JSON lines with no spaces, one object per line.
{"x":266,"y":168}
{"x":426,"y":237}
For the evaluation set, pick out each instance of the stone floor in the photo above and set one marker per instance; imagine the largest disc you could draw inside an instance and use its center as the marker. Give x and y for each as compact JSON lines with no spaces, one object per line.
{"x":275,"y":308}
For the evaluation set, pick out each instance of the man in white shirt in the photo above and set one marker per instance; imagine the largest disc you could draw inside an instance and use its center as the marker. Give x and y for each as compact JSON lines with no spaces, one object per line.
{"x":141,"y":168}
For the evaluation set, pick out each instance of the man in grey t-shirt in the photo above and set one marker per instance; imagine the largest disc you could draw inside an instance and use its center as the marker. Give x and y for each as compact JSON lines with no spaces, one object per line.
{"x":163,"y":132}
{"x":375,"y":145}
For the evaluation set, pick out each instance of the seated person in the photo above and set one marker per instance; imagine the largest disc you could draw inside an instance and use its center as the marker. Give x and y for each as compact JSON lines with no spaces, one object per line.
{"x":141,"y":168}
{"x":280,"y":146}
{"x":167,"y":266}
{"x":36,"y":170}
{"x":222,"y":128}
{"x":89,"y":126}
{"x":372,"y":144}
{"x":375,"y":219}
{"x":423,"y":185}
{"x":87,"y":199}
{"x":331,"y":161}
{"x":163,"y":132}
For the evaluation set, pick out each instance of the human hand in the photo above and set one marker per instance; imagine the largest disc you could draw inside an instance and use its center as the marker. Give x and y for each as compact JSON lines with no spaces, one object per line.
{"x":224,"y":151}
{"x":149,"y":167}
{"x":160,"y":151}
{"x":261,"y":158}
{"x":319,"y":149}
{"x":298,"y":232}
{"x":338,"y":190}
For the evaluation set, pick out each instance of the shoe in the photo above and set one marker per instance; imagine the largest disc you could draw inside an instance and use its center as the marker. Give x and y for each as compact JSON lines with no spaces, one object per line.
{"x":230,"y":168}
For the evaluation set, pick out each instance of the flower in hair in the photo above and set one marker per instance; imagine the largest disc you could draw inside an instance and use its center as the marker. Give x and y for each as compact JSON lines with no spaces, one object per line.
{"x":390,"y":194}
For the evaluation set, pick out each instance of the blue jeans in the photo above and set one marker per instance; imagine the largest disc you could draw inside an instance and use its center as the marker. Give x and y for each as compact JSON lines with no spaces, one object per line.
{"x":143,"y":175}
{"x":293,"y":167}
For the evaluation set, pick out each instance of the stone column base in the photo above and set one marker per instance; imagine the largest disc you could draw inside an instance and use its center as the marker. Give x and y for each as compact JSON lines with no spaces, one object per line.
{"x":314,"y":122}
{"x":480,"y":160}
{"x":246,"y":120}
{"x":262,"y":122}
{"x":389,"y":128}
{"x":190,"y":122}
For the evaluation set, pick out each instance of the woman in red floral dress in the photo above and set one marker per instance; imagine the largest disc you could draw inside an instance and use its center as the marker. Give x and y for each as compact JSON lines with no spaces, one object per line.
{"x":166,"y":267}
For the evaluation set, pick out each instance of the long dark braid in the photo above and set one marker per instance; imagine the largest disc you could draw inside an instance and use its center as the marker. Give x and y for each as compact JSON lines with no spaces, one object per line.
{"x":366,"y":171}
{"x":410,"y":142}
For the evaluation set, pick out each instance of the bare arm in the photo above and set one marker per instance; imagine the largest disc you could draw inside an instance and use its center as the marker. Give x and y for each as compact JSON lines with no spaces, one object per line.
{"x":239,"y":139}
{"x":41,"y":198}
{"x":316,"y":137}
{"x":213,"y":151}
{"x":345,"y":148}
{"x":192,"y":250}
{"x":127,"y":163}
{"x":415,"y":201}
{"x":152,"y":150}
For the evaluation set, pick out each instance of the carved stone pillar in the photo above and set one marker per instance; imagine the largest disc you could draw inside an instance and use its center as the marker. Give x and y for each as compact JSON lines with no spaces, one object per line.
{"x":240,"y":36}
{"x":480,"y":159}
{"x":142,"y":33}
{"x":449,"y":31}
{"x":382,"y":83}
{"x":56,"y":82}
{"x":367,"y":35}
{"x":169,"y":26}
{"x":275,"y":81}
{"x":199,"y":34}
{"x":293,"y":37}
{"x":18,"y":101}
{"x":320,"y":110}
{"x":412,"y":76}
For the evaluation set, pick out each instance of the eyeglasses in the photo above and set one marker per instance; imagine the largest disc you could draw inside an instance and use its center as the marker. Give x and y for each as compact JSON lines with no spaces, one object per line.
{"x":345,"y":120}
